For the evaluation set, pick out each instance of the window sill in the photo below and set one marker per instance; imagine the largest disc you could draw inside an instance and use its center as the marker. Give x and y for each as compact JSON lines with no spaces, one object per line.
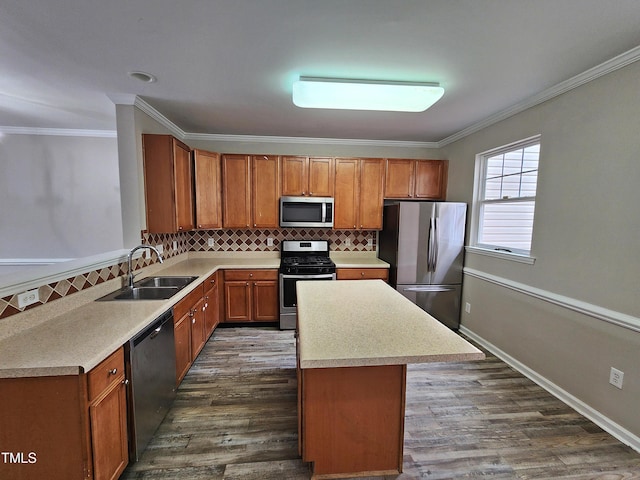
{"x":514,"y":257}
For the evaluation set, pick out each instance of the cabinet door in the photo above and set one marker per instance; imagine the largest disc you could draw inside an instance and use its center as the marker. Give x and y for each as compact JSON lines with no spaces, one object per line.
{"x":182,"y":335}
{"x":198,"y":338}
{"x":265,"y":301}
{"x":371,"y":193}
{"x":211,"y":304}
{"x":236,"y":191}
{"x":206,"y":167}
{"x":346,"y":193}
{"x":108,"y":417}
{"x":183,"y":186}
{"x":431,"y":179}
{"x":294,"y":176}
{"x":399,"y":178}
{"x":320,"y":177}
{"x":265,"y":191}
{"x":237,"y":299}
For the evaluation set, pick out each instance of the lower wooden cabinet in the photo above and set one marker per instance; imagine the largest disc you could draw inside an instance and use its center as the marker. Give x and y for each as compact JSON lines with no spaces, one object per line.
{"x":212,"y":302}
{"x":251,"y":295}
{"x":108,"y":417}
{"x":66,"y":427}
{"x":362,"y":274}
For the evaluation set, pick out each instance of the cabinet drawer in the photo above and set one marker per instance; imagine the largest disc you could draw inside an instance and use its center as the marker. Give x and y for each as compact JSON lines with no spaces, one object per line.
{"x":362,"y":274}
{"x":187,"y":303}
{"x":210,"y":283}
{"x":107,"y":372}
{"x":247,"y":275}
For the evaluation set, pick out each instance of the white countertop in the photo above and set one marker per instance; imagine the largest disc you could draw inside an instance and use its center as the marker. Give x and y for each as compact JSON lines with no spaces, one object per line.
{"x":74,"y":334}
{"x":350,"y":323}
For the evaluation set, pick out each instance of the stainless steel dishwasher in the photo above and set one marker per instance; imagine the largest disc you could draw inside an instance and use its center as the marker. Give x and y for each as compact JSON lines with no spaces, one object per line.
{"x":151,"y":359}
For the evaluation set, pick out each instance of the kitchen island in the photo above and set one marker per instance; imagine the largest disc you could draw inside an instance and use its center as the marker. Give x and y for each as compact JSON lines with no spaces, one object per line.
{"x":354,"y":341}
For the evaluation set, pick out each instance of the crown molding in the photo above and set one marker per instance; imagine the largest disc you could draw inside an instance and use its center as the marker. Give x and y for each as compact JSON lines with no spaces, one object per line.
{"x":60,"y":132}
{"x":307,"y":140}
{"x":598,"y":71}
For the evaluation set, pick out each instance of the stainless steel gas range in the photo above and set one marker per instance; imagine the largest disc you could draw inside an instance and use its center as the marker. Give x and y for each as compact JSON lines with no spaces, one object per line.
{"x":301,"y":260}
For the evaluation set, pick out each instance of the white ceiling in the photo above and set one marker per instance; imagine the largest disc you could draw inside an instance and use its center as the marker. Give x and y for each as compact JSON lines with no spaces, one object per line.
{"x":226,"y":66}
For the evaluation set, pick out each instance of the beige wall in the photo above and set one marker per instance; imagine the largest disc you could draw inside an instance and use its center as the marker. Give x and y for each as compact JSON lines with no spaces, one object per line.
{"x":586,"y":234}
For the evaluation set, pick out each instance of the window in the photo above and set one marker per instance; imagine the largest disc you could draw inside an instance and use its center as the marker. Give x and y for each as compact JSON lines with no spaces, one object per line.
{"x":506,"y":197}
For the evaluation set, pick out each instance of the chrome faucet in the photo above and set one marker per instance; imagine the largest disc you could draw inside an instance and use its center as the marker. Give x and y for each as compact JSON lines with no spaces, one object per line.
{"x":131,"y":274}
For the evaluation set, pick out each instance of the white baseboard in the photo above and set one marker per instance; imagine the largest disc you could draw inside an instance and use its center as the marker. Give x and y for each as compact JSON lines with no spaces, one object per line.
{"x":619,"y":432}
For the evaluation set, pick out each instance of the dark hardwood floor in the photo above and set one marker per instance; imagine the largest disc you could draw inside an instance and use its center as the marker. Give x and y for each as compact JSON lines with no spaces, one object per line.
{"x":235,"y":418}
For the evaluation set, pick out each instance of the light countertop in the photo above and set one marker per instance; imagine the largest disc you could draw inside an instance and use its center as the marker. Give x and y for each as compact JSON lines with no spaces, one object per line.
{"x":350,"y":323}
{"x":78,"y":332}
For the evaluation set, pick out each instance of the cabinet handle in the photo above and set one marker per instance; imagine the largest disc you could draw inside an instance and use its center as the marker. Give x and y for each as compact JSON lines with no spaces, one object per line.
{"x":193,"y":321}
{"x":125,"y":381}
{"x":113,"y":371}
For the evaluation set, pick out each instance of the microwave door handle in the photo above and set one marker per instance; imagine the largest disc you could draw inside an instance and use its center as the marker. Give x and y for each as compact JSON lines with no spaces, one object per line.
{"x":324,"y":212}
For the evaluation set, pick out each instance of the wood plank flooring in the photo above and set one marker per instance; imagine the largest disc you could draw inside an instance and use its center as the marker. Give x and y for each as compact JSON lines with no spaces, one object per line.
{"x":235,"y":418}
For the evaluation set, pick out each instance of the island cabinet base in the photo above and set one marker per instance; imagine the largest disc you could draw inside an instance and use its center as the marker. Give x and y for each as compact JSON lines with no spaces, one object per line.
{"x":352,"y":420}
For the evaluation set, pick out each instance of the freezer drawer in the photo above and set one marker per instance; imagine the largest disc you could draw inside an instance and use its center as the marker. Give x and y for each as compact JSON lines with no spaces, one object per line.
{"x":440,"y":301}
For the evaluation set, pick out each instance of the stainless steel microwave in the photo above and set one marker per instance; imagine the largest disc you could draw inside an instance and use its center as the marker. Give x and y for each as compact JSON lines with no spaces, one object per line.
{"x":306,"y":212}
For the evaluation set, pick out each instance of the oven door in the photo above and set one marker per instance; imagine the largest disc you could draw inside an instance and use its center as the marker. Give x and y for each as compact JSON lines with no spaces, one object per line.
{"x":288,"y":295}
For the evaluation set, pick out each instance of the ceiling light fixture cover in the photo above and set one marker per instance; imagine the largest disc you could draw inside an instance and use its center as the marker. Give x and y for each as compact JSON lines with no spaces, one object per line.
{"x":143,"y":76}
{"x":346,"y":94}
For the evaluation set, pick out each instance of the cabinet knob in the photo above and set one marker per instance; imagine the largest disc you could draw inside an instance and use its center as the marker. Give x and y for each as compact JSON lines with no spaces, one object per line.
{"x":125,"y":381}
{"x":113,"y":371}
{"x":362,"y":274}
{"x":247,"y":284}
{"x":255,"y":224}
{"x":251,"y":274}
{"x":310,"y":193}
{"x":304,"y":193}
{"x":193,"y":321}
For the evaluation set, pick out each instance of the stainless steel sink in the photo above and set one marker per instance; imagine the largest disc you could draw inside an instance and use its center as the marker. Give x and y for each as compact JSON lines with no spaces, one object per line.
{"x":151,"y":288}
{"x":167,"y":281}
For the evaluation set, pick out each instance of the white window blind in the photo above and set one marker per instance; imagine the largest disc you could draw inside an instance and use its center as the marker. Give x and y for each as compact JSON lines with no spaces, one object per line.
{"x":506,"y":198}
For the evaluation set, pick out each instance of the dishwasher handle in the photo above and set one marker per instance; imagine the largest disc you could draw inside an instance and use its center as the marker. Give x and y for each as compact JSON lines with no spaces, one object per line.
{"x":153,"y":330}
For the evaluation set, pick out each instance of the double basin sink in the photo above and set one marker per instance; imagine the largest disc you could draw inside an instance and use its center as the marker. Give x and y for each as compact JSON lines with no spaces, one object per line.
{"x":151,"y":288}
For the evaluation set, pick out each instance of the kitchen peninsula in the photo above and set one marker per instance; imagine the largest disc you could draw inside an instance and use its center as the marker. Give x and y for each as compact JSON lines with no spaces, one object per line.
{"x":354,"y":342}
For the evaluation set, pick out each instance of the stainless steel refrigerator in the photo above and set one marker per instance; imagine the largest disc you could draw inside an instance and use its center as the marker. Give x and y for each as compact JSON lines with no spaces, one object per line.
{"x":424,"y":244}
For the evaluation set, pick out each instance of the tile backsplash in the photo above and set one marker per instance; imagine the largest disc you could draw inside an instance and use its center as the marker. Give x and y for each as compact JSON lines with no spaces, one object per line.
{"x":198,"y":241}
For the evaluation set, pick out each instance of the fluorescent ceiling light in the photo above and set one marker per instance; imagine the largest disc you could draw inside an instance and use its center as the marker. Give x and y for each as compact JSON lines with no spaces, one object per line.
{"x":345,"y":94}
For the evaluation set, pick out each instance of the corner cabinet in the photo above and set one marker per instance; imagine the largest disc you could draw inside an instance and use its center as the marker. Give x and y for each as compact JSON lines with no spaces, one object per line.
{"x":359,"y":187}
{"x":251,"y":295}
{"x":416,"y":179}
{"x":250,"y":191}
{"x":66,"y":427}
{"x":168,"y":180}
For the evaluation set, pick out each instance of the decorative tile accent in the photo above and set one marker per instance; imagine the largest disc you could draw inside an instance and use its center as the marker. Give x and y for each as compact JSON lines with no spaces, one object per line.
{"x":197,"y":241}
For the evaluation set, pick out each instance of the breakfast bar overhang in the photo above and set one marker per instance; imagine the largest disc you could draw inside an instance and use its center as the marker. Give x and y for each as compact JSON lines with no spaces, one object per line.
{"x":354,"y":341}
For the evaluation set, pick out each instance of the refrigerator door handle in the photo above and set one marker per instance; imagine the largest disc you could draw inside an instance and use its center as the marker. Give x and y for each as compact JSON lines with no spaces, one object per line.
{"x":431,"y":246}
{"x":428,"y":289}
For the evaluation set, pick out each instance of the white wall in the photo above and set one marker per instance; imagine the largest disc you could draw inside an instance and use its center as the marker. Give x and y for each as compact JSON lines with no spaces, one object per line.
{"x":585,"y":240}
{"x":60,"y":196}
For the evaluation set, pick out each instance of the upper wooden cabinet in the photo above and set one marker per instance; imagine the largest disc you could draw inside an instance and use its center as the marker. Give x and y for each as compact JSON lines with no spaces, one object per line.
{"x":168,"y":179}
{"x":207,"y":181}
{"x":359,"y":186}
{"x":416,"y":179}
{"x":250,"y":191}
{"x":307,"y":176}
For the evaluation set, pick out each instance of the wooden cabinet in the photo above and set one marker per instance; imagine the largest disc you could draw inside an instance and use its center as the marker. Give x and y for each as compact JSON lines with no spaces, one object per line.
{"x":211,"y":303}
{"x":362,"y":274}
{"x":71,"y":427}
{"x":108,"y":417}
{"x":416,"y":179}
{"x":168,"y":179}
{"x":250,"y":191}
{"x":251,"y":295}
{"x":307,"y":176}
{"x":207,"y":188}
{"x":189,"y":330}
{"x":359,"y":187}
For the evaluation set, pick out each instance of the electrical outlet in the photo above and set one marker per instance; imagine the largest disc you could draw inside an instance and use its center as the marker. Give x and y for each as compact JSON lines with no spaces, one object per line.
{"x":160,"y":249}
{"x":28,"y":298}
{"x":616,"y":377}
{"x":269,"y":241}
{"x":347,"y":242}
{"x":370,"y":242}
{"x":175,"y":245}
{"x":467,"y":307}
{"x":210,"y":242}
